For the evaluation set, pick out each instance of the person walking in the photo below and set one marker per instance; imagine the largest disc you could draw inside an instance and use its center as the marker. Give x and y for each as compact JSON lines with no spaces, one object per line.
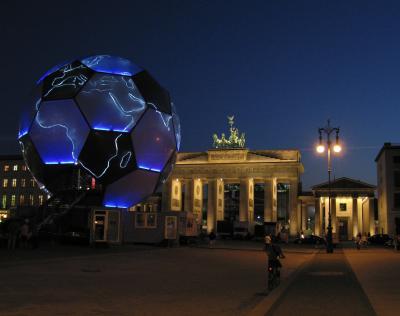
{"x":12,"y":232}
{"x":358,"y":241}
{"x":25,"y":234}
{"x":212,"y":238}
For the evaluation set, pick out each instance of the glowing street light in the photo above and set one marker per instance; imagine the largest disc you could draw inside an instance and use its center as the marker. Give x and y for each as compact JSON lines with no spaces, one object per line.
{"x":337,"y":149}
{"x":320,"y":149}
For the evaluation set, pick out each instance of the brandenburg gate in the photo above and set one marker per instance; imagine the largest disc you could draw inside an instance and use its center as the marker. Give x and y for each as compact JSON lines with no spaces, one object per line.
{"x":205,"y":174}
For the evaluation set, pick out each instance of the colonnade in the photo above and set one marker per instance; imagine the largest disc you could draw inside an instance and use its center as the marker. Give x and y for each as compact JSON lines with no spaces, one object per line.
{"x":193,"y":199}
{"x":354,"y":214}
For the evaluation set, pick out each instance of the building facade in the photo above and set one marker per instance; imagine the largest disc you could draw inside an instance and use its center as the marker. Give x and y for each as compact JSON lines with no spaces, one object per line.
{"x":17,"y":186}
{"x":388,"y":172}
{"x":222,"y":184}
{"x":352,"y":208}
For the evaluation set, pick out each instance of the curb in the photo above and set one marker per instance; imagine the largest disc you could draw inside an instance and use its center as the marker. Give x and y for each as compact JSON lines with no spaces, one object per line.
{"x":265,"y":305}
{"x":252,"y":249}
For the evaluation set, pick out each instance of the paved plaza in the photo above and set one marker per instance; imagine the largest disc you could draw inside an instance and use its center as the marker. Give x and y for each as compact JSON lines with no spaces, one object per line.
{"x":229,"y":279}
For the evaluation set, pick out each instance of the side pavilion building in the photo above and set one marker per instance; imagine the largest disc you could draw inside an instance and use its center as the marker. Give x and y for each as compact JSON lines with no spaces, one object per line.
{"x":353,"y":208}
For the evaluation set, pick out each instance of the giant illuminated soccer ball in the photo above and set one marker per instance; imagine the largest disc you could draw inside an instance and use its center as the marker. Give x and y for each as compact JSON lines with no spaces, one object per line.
{"x":104,"y":117}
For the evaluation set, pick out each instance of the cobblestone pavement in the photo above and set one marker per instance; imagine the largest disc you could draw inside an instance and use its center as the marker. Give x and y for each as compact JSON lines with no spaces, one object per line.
{"x":378,"y":272}
{"x":325,"y":286}
{"x":135,"y":281}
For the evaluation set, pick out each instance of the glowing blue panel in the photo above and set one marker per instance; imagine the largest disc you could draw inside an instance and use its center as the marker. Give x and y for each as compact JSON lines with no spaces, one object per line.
{"x":111,"y":64}
{"x":153,"y":140}
{"x":111,"y":103}
{"x":51,"y":70}
{"x":177,"y":126}
{"x":66,"y":81}
{"x":59,"y":132}
{"x":130,"y":189}
{"x":28,"y":112}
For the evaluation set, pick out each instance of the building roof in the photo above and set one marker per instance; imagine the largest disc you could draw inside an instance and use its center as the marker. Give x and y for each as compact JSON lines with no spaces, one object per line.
{"x":344,"y":184}
{"x":386,"y":146}
{"x":10,"y":157}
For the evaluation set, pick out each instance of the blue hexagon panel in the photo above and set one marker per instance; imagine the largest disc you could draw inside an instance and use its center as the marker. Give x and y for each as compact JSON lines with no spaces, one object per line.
{"x":111,"y":103}
{"x":111,"y":64}
{"x":59,"y":131}
{"x":66,"y":81}
{"x":153,"y":140}
{"x":131,"y":189}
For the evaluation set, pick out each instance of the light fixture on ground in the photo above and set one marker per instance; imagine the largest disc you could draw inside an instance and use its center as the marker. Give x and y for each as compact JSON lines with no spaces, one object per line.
{"x":328,"y":130}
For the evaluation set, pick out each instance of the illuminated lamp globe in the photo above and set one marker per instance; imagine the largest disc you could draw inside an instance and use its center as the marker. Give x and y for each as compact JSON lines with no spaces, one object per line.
{"x":337,"y":148}
{"x":100,"y":123}
{"x":320,"y":149}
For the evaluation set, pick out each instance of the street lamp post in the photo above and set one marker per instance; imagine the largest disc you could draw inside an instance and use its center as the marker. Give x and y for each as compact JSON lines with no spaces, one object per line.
{"x":328,"y":130}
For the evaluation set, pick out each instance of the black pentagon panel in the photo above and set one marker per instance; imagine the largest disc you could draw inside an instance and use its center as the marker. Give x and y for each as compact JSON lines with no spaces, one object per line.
{"x":66,"y":81}
{"x":108,"y":155}
{"x":32,"y":158}
{"x":155,"y":95}
{"x":166,"y":172}
{"x":60,"y":177}
{"x":177,"y":126}
{"x":131,"y":189}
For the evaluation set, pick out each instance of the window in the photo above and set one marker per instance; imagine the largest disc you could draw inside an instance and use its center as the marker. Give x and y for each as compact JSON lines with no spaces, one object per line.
{"x":5,"y":183}
{"x":151,"y":220}
{"x":6,"y":168}
{"x":15,"y":167}
{"x":33,"y":183}
{"x":396,"y":159}
{"x":14,"y":183}
{"x":30,"y":199}
{"x":140,"y":220}
{"x":4,"y":201}
{"x":146,"y":220}
{"x":23,"y":168}
{"x":343,"y":206}
{"x":396,"y":178}
{"x":397,"y":200}
{"x":23,"y":183}
{"x":21,"y":199}
{"x":40,"y":199}
{"x":13,"y":200}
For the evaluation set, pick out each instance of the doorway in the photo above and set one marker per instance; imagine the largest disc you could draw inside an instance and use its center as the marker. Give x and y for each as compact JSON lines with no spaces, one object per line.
{"x":106,"y":226}
{"x":343,"y":229}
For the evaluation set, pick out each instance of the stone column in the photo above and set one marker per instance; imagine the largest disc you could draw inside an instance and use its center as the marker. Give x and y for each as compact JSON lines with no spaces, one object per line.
{"x":250,"y":199}
{"x":220,"y":199}
{"x":371,"y":216}
{"x":197,"y":205}
{"x":333,"y":215}
{"x":317,"y":217}
{"x":305,"y":217}
{"x":211,"y":206}
{"x":270,"y":200}
{"x":293,"y":225}
{"x":166,"y":199}
{"x":176,"y":195}
{"x":355,"y":217}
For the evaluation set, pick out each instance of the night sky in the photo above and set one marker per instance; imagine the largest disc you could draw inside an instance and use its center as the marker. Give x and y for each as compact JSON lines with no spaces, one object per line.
{"x":281,"y":67}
